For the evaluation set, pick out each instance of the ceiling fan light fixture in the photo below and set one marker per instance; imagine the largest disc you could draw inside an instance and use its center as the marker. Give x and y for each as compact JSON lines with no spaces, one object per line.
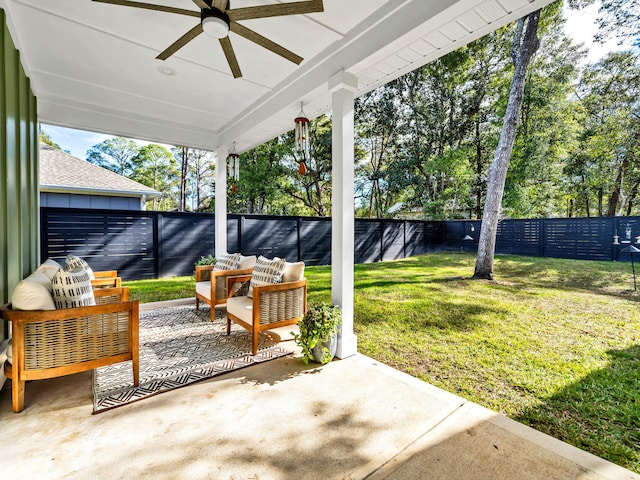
{"x":215,"y":23}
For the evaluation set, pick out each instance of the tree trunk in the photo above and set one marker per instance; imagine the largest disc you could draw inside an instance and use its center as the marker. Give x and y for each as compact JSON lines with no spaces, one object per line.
{"x":183,"y":180}
{"x":525,"y":43}
{"x":617,"y":187}
{"x":632,"y":196}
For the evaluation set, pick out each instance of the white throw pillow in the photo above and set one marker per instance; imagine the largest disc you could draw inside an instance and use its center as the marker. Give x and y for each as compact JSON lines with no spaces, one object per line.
{"x":246,"y":262}
{"x":74,"y":262}
{"x":72,"y":288}
{"x":266,"y":272}
{"x":33,"y":293}
{"x":228,"y":261}
{"x":49,"y":267}
{"x":293,"y":272}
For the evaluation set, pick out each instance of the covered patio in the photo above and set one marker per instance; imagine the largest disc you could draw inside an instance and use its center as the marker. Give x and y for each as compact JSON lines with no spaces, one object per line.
{"x":351,"y":419}
{"x":92,"y":66}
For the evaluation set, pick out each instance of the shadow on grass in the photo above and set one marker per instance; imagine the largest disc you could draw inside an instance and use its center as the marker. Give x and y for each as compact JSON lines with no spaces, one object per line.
{"x":600,"y":413}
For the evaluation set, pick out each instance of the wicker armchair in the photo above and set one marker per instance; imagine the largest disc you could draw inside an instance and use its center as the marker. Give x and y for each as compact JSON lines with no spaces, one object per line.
{"x":211,"y":285}
{"x":272,"y":306}
{"x":53,"y":343}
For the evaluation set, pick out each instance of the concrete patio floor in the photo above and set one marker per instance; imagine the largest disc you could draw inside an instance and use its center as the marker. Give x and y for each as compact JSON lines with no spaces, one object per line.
{"x":350,"y":419}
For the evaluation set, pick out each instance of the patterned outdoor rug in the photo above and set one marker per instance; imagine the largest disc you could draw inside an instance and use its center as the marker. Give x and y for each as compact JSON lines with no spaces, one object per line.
{"x":178,"y":346}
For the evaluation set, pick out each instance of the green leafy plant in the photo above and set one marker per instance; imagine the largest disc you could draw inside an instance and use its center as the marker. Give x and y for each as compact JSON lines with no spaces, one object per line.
{"x":319,"y":324}
{"x":208,"y":260}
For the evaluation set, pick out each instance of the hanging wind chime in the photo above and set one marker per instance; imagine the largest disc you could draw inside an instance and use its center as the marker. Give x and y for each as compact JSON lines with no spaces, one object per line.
{"x":233,"y":161}
{"x":302,"y":139}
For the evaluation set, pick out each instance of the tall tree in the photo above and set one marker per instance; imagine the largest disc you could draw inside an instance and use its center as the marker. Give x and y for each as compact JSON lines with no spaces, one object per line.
{"x":525,"y":44}
{"x":184,"y":169}
{"x":155,"y":167}
{"x":115,"y":154}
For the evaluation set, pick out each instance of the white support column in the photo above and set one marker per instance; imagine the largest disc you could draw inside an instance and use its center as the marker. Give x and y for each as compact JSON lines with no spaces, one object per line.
{"x":342,"y":87}
{"x":221,"y":200}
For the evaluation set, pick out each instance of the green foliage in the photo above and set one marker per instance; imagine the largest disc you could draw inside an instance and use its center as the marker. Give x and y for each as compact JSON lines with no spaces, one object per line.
{"x":115,"y":154}
{"x":208,"y":260}
{"x":155,"y":167}
{"x":319,"y":324}
{"x":47,"y":140}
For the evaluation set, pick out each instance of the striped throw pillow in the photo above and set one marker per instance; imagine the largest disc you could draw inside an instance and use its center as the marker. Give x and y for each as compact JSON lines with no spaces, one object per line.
{"x":228,"y":261}
{"x":72,"y":288}
{"x":72,"y":262}
{"x":266,"y":272}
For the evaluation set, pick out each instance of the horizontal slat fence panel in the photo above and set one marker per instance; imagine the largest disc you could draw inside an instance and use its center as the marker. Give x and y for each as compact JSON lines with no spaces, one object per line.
{"x":393,"y":240}
{"x":155,"y":244}
{"x":521,"y":237}
{"x":315,"y":241}
{"x":178,"y":234}
{"x":107,"y":239}
{"x":270,"y":237}
{"x":368,"y":241}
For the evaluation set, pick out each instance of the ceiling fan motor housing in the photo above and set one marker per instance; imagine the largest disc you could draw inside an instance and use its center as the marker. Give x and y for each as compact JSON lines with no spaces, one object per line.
{"x":215,"y":22}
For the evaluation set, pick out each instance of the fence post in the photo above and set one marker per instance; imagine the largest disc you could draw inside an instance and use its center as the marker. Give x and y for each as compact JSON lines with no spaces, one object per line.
{"x":157,"y":245}
{"x":298,"y":236}
{"x":241,"y":223}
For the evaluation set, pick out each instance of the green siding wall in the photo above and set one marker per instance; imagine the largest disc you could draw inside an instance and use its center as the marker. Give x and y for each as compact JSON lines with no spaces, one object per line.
{"x":19,"y":212}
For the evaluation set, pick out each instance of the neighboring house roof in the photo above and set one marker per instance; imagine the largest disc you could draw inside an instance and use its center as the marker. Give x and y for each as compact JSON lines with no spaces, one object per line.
{"x":62,"y":172}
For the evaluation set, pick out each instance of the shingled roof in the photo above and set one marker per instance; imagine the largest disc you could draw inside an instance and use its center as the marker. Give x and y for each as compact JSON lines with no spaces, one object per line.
{"x":62,"y":172}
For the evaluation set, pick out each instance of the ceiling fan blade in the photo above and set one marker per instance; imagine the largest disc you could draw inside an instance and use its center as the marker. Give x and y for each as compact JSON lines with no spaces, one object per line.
{"x":221,"y":4}
{"x":181,"y":42}
{"x":265,"y":42}
{"x":151,"y":6}
{"x":225,"y":43}
{"x":201,"y":3}
{"x":281,"y":9}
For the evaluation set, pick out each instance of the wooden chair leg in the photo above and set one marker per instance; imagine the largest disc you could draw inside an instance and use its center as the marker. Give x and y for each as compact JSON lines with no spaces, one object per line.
{"x":212,"y":313}
{"x":17,"y":395}
{"x":228,"y":325}
{"x":197,"y":303}
{"x":254,"y":347}
{"x":136,"y":372}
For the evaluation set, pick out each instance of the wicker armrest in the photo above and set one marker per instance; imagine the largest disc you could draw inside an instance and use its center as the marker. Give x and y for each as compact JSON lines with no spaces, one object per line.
{"x":280,"y":301}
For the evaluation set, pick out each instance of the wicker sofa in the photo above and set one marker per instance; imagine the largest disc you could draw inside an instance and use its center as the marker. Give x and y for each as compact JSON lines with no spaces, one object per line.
{"x":53,"y":343}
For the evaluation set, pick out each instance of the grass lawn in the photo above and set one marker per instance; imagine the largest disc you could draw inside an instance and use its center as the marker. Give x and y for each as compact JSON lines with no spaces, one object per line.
{"x":552,"y":343}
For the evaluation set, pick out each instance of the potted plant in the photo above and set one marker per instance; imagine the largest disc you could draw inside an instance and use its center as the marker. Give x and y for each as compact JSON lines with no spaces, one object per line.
{"x":318,"y":335}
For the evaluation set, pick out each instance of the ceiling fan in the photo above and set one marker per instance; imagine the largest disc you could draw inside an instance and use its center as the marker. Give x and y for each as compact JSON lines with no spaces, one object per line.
{"x":217,"y":19}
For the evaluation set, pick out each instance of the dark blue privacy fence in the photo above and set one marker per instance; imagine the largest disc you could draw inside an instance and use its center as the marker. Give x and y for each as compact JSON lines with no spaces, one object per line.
{"x":574,"y":238}
{"x":143,"y":244}
{"x":161,"y":244}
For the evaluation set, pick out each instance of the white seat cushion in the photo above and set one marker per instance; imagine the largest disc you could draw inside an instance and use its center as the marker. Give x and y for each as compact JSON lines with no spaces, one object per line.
{"x":241,"y":307}
{"x":204,"y":289}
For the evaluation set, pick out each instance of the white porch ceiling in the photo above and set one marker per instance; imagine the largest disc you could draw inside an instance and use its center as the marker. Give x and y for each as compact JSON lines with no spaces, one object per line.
{"x":93,"y":67}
